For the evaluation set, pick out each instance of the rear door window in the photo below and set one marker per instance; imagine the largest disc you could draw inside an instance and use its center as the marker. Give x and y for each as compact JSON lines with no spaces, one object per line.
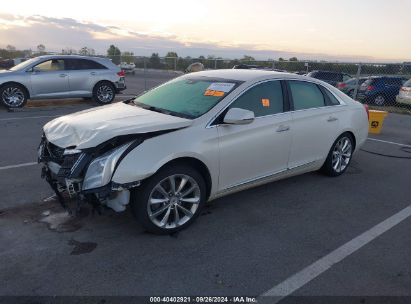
{"x":306,"y":95}
{"x":407,"y":84}
{"x":263,"y":99}
{"x":83,"y":64}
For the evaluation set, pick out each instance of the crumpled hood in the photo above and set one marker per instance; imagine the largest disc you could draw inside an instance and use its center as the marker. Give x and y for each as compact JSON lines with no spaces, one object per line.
{"x":92,"y":127}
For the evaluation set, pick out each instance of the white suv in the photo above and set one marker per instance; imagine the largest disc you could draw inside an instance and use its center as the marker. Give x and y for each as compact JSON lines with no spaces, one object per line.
{"x":199,"y":137}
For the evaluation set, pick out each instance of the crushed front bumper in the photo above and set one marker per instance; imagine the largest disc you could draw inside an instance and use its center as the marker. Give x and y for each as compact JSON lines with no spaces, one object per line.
{"x":65,"y":174}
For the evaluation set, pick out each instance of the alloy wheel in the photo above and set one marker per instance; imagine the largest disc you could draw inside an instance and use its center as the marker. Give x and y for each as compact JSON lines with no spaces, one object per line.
{"x":379,"y":100}
{"x":341,"y":154}
{"x":105,"y":93}
{"x":13,"y":97}
{"x":173,"y":201}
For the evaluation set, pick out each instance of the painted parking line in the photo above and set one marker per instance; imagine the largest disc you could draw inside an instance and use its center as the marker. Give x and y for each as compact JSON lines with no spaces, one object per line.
{"x":389,"y":142}
{"x":18,"y":166}
{"x":309,"y":273}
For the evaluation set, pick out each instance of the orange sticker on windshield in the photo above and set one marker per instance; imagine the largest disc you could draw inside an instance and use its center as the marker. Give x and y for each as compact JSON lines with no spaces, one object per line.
{"x":213,"y":93}
{"x":265,"y":102}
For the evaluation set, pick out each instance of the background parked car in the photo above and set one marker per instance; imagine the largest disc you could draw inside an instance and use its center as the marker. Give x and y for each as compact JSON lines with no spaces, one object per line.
{"x":330,"y":77}
{"x":348,"y":87}
{"x":380,"y":90}
{"x":61,"y":77}
{"x":404,"y":96}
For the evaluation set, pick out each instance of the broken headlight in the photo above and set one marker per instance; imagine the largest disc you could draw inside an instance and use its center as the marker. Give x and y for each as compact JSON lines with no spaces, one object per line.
{"x":101,"y":169}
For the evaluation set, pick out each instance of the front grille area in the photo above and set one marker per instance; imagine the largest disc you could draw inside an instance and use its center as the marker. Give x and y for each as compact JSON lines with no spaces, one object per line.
{"x":54,"y":151}
{"x":67,"y":165}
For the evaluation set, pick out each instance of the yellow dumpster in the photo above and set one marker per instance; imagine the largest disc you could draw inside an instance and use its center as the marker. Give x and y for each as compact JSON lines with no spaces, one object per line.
{"x":376,"y":120}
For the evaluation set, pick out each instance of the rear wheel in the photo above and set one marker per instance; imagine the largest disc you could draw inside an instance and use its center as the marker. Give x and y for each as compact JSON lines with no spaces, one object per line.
{"x":379,"y":100}
{"x":339,"y":157}
{"x":170,"y":200}
{"x":104,"y":92}
{"x":13,"y":96}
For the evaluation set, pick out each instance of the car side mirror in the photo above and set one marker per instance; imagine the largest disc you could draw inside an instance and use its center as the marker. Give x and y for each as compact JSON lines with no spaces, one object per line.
{"x":237,"y":116}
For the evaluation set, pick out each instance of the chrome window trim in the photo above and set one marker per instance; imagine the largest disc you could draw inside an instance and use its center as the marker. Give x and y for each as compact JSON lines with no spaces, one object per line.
{"x":342,"y":103}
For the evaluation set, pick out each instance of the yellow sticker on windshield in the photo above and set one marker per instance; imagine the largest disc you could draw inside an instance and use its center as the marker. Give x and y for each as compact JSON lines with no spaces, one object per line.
{"x":213,"y":93}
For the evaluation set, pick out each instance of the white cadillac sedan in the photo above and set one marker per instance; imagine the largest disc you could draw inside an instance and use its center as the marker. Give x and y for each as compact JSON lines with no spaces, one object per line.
{"x":199,"y":137}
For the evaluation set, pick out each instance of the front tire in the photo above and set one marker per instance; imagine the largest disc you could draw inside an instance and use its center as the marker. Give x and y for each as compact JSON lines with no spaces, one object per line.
{"x":104,"y":92}
{"x":170,"y":200}
{"x":339,"y":157}
{"x":13,"y":96}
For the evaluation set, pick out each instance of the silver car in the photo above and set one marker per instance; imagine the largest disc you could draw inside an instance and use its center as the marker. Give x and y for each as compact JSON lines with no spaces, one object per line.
{"x":55,"y":76}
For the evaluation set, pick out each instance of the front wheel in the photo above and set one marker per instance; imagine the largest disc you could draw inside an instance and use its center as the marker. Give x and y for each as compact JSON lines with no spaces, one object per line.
{"x":104,"y":93}
{"x":170,"y":200}
{"x":339,"y":157}
{"x":13,"y":96}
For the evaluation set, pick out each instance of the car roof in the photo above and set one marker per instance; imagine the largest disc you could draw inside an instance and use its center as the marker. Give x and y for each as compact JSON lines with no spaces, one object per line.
{"x":69,"y":57}
{"x":246,"y":75}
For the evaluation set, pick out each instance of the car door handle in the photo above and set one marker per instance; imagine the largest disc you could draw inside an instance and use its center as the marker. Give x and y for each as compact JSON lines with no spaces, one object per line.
{"x":332,"y":118}
{"x":283,"y":128}
{"x":93,"y":73}
{"x":63,"y":75}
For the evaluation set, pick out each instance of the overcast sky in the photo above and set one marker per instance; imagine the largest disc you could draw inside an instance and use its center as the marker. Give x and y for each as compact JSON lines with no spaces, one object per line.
{"x":313,"y":29}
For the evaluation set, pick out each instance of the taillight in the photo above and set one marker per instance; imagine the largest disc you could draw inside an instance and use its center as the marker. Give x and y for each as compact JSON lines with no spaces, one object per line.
{"x":370,"y":88}
{"x":367,"y":110}
{"x":341,"y":85}
{"x":403,"y":89}
{"x":121,"y":73}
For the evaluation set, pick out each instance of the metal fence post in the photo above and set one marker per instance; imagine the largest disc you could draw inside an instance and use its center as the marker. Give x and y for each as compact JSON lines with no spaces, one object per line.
{"x":215,"y":64}
{"x":357,"y":81}
{"x":145,"y":76}
{"x":273,"y":67}
{"x":175,"y":63}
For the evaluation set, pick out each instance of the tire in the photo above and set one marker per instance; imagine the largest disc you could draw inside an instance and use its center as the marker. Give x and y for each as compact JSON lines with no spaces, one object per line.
{"x":169,"y":212}
{"x":379,"y":100}
{"x":339,"y":158}
{"x":13,"y":96}
{"x":104,"y":92}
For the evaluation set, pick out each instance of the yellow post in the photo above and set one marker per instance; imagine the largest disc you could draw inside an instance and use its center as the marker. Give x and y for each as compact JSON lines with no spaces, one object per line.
{"x":376,"y":121}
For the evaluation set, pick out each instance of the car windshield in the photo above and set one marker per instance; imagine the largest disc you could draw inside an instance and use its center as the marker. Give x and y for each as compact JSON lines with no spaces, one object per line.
{"x":188,"y":98}
{"x":23,"y":64}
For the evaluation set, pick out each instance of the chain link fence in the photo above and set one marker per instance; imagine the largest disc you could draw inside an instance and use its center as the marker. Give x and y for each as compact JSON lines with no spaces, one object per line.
{"x":377,"y":84}
{"x":385,"y":85}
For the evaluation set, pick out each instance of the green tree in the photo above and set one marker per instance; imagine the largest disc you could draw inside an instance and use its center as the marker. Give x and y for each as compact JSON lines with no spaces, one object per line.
{"x":247,"y":58}
{"x":114,"y":54}
{"x":10,"y":48}
{"x":84,"y":51}
{"x":127,"y":57}
{"x":293,"y":59}
{"x":41,"y":48}
{"x":155,"y":61}
{"x":171,"y":54}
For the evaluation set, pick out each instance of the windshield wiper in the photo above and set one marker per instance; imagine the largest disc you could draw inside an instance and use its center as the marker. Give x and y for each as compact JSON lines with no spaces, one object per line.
{"x":162,"y":111}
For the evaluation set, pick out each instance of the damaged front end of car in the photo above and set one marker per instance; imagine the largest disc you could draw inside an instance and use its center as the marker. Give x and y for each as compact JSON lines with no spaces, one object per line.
{"x":86,"y":175}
